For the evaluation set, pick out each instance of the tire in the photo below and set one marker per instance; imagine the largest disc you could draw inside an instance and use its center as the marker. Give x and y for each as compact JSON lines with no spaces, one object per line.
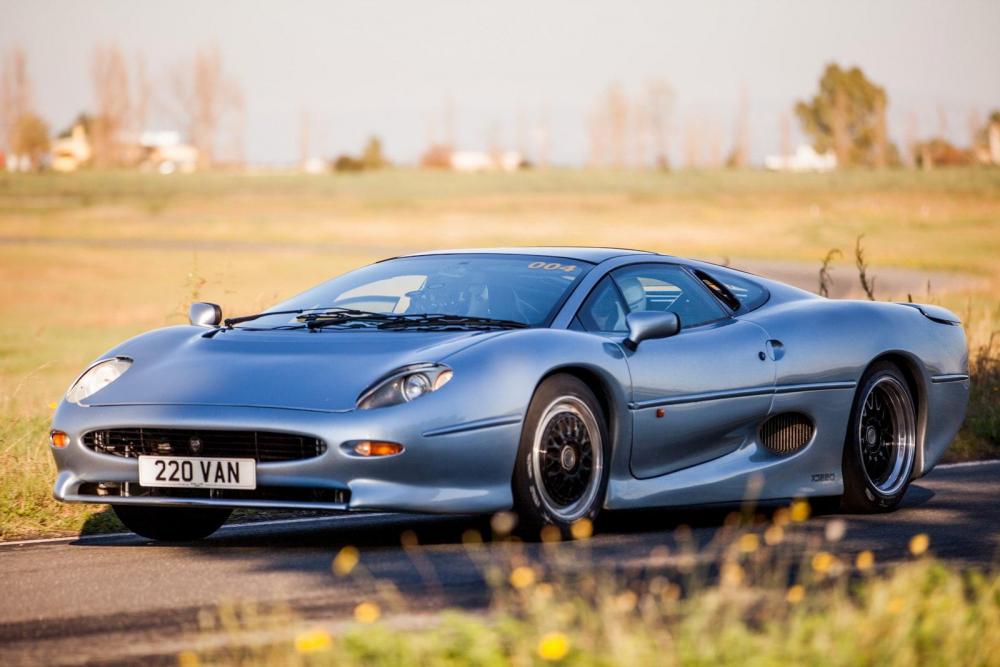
{"x":561,"y":473}
{"x":172,"y":524}
{"x":880,"y":448}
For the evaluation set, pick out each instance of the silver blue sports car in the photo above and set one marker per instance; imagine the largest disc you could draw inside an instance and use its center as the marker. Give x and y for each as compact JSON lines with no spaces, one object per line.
{"x":554,"y":382}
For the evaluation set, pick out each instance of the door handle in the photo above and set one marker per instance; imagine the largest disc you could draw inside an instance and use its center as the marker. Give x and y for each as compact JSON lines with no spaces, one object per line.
{"x":775,"y":349}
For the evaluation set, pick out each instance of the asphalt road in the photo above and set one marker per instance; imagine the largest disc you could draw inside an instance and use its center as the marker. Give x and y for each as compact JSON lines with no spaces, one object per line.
{"x":121,"y":599}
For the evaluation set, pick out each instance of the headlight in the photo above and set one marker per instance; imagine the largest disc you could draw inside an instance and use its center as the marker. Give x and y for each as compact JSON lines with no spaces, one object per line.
{"x":97,"y":377}
{"x":405,"y":385}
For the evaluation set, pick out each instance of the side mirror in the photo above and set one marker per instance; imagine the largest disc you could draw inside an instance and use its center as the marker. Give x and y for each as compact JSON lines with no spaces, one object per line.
{"x":203,"y":314}
{"x":650,"y":325}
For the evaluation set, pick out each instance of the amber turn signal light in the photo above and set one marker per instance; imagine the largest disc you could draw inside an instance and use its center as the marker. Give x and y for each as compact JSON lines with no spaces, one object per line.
{"x":58,"y":439}
{"x":377,"y":448}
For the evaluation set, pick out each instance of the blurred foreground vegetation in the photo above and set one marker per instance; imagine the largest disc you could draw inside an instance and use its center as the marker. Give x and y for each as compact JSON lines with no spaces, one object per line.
{"x":90,"y":259}
{"x":755,"y":602}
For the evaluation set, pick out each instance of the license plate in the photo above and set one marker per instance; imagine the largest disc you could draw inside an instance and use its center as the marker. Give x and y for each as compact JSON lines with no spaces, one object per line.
{"x":197,"y":473}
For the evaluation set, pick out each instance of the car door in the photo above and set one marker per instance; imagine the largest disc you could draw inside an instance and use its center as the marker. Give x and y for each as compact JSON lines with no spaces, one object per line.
{"x":697,"y":395}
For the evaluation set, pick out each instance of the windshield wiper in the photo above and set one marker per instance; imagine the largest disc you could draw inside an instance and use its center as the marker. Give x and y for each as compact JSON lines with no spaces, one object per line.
{"x":333,"y":316}
{"x":433,"y":321}
{"x":305,"y":315}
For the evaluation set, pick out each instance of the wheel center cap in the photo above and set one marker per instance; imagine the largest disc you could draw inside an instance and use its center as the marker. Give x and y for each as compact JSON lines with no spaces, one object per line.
{"x":567,"y":457}
{"x":871,"y":437}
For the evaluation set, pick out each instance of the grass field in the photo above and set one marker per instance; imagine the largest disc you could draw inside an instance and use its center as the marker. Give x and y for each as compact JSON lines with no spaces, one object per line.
{"x":90,"y":259}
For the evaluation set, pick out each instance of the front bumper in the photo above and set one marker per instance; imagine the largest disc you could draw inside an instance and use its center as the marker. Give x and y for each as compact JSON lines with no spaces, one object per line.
{"x":449,"y":465}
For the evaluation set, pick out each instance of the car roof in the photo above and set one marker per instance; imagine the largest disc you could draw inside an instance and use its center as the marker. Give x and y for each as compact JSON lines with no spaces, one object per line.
{"x":581,"y":254}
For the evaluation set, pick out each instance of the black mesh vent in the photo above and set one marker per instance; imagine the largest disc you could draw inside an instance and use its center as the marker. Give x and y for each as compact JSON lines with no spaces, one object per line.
{"x":786,"y":433}
{"x":261,"y":446}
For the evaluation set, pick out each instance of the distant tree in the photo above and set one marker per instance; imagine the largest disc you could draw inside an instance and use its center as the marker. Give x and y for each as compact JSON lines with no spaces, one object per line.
{"x":939,"y":152}
{"x":847,"y":115}
{"x":31,"y":138}
{"x":114,"y":109}
{"x":986,"y":140}
{"x":372,"y":157}
{"x":347,"y":163}
{"x":205,"y":98}
{"x":660,"y":99}
{"x":437,"y":156}
{"x":739,"y":157}
{"x":15,"y":95}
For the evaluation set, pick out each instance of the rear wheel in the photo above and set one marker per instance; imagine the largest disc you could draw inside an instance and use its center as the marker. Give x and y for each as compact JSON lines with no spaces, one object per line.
{"x":172,"y":524}
{"x":880,"y":450}
{"x":561,"y":472}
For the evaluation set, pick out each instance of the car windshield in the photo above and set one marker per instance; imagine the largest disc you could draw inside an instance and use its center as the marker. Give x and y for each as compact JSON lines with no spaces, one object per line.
{"x":523,"y":289}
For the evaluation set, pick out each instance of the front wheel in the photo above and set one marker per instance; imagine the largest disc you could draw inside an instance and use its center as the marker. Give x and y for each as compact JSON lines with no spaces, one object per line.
{"x":561,"y":472}
{"x":880,"y":450}
{"x":172,"y":524}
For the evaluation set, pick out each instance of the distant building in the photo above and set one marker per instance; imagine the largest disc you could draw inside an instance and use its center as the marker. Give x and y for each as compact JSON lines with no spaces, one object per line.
{"x":164,"y":152}
{"x":442,"y":157}
{"x":71,"y":149}
{"x":805,"y":159}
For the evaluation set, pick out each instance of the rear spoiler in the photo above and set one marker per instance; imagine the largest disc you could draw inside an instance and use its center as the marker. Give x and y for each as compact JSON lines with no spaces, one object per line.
{"x":935,"y":313}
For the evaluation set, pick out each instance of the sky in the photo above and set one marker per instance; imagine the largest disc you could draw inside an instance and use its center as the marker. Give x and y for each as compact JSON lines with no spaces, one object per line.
{"x":394,"y":67}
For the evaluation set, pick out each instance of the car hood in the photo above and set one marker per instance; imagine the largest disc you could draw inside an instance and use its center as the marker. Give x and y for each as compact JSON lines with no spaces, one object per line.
{"x":324,"y":370}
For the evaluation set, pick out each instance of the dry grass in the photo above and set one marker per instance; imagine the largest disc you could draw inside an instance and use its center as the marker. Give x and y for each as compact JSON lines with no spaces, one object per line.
{"x":91,"y":259}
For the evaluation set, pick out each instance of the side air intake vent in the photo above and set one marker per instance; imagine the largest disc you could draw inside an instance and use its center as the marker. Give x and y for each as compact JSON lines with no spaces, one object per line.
{"x":786,"y":433}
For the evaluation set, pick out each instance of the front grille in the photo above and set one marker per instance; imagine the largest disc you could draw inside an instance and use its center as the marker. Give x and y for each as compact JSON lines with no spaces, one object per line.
{"x":786,"y":433}
{"x":262,"y":446}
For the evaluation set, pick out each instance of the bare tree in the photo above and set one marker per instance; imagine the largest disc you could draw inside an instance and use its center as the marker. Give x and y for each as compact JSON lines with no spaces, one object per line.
{"x":714,"y":145}
{"x":598,"y":135}
{"x":204,"y":97}
{"x":693,"y":131}
{"x":15,"y":96}
{"x":880,"y":138}
{"x":785,"y":134}
{"x":305,"y":150}
{"x":740,"y":155}
{"x":542,"y":138}
{"x":109,"y":77}
{"x":641,"y":135}
{"x":910,"y":139}
{"x":616,"y":108}
{"x":660,"y":99}
{"x":143,"y":95}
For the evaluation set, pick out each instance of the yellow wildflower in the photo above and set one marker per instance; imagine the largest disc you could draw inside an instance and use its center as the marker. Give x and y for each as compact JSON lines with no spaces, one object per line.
{"x":919,"y":543}
{"x":346,"y":559}
{"x":522,"y":577}
{"x":313,"y":641}
{"x":553,"y":647}
{"x":800,"y":511}
{"x":582,"y":529}
{"x":822,"y":562}
{"x":367,"y":613}
{"x":749,"y":542}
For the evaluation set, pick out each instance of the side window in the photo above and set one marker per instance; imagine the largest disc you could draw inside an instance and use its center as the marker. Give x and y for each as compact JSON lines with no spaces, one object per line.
{"x":750,"y":295}
{"x":604,"y":309}
{"x":667,"y":288}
